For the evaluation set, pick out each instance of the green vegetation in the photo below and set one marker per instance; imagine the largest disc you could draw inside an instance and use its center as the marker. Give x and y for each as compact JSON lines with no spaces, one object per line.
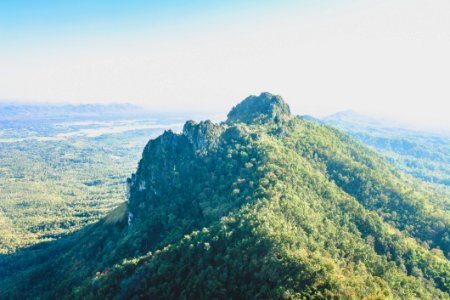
{"x":53,"y":187}
{"x":265,"y":205}
{"x":424,"y":155}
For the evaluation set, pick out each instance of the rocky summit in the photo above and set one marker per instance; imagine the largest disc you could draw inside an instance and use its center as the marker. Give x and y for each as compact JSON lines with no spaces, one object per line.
{"x":259,"y":109}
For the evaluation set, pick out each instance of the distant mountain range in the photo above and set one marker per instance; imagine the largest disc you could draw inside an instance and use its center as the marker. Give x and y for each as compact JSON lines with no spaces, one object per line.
{"x":423,"y":154}
{"x":354,"y":119}
{"x":65,"y":111}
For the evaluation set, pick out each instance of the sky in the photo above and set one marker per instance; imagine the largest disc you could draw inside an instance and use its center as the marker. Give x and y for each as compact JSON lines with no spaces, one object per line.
{"x":387,"y":58}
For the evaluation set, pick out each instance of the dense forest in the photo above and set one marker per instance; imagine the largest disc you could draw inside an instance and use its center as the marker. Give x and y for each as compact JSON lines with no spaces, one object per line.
{"x":61,"y":169}
{"x":264,"y":205}
{"x":49,"y":188}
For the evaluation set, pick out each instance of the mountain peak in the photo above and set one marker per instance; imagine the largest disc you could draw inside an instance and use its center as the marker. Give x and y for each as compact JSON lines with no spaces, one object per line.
{"x":259,"y":109}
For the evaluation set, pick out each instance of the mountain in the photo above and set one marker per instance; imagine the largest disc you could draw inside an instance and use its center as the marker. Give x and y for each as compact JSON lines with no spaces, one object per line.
{"x":423,"y":154}
{"x":20,"y":111}
{"x":265,"y":205}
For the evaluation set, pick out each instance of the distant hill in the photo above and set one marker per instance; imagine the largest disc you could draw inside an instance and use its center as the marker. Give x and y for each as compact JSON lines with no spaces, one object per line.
{"x":66,"y":111}
{"x":423,"y":154}
{"x":265,"y":205}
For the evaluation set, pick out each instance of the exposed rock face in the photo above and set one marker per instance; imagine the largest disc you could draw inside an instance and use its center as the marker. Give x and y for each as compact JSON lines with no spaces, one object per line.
{"x":260,"y":109}
{"x":166,"y":164}
{"x":169,"y":161}
{"x":203,"y":136}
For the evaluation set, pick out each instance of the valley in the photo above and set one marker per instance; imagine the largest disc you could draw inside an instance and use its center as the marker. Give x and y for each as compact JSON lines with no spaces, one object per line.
{"x":61,"y":172}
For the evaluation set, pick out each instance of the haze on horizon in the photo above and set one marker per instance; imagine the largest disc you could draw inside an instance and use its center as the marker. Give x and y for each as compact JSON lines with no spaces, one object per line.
{"x":382,"y":57}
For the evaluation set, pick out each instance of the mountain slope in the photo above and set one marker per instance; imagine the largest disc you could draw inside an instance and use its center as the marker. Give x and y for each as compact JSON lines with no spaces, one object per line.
{"x":425,"y":155}
{"x":264,"y":205}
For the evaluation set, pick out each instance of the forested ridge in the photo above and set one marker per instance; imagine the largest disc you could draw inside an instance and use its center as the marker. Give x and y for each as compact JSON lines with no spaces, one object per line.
{"x":423,"y":154}
{"x":264,"y":205}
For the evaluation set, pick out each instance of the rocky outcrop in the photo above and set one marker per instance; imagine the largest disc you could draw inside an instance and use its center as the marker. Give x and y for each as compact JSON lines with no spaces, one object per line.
{"x":166,"y":164}
{"x":260,"y":109}
{"x":172,"y":160}
{"x":203,"y":136}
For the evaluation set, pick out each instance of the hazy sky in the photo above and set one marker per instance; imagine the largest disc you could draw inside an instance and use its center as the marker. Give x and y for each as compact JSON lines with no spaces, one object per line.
{"x":383,"y":57}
